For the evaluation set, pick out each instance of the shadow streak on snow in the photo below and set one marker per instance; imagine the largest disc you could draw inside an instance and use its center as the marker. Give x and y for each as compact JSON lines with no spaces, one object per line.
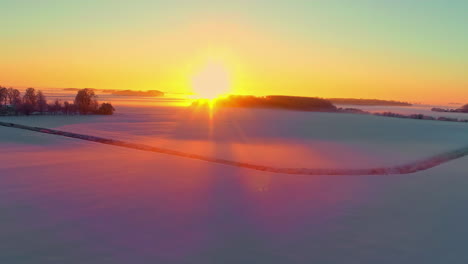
{"x":412,"y":167}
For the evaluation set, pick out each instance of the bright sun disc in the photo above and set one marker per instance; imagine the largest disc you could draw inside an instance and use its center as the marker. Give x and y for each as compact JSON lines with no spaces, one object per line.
{"x":211,"y":82}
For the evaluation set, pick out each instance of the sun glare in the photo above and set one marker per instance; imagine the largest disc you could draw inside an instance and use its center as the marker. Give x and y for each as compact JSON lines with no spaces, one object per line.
{"x":211,"y":82}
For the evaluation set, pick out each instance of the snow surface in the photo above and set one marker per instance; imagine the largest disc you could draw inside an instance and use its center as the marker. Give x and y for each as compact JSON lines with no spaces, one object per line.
{"x":69,"y":201}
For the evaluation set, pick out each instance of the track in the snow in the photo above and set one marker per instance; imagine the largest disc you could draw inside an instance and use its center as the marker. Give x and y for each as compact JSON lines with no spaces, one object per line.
{"x":408,"y":168}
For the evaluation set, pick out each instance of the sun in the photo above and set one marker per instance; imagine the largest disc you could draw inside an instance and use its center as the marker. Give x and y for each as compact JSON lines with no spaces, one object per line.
{"x":211,"y":82}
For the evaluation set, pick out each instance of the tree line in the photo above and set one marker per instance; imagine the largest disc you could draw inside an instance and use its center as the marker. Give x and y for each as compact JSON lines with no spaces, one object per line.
{"x":463,"y":109}
{"x":12,"y":102}
{"x":298,"y":103}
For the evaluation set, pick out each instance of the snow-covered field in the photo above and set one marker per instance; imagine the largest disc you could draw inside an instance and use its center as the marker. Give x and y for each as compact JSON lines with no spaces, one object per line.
{"x":70,"y":201}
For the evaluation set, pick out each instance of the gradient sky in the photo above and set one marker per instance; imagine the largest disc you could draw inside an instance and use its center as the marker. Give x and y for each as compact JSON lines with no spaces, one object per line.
{"x":414,"y":50}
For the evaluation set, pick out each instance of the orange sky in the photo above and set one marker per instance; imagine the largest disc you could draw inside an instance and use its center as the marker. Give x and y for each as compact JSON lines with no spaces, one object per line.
{"x":324,"y":52}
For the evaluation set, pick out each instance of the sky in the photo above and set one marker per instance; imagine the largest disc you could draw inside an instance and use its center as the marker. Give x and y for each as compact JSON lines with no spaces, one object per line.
{"x":414,"y":50}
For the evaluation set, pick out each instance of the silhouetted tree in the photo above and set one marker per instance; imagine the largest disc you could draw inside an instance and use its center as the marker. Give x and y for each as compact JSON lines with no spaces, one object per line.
{"x":66,"y":107}
{"x":13,"y":96}
{"x":29,"y":101}
{"x":41,"y":102}
{"x":58,"y":106}
{"x":73,"y":109}
{"x":106,"y":109}
{"x":11,"y":102}
{"x":86,"y":101}
{"x":464,"y":109}
{"x":30,"y":96}
{"x":3,"y":96}
{"x":55,"y":107}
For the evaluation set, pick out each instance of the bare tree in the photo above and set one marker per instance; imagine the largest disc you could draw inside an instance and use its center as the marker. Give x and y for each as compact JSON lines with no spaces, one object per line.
{"x":30,"y":96}
{"x":3,"y":95}
{"x":86,"y":101}
{"x":41,"y":102}
{"x":464,"y":108}
{"x":14,"y":97}
{"x":106,"y":109}
{"x":73,"y":109}
{"x":29,"y":101}
{"x":66,"y":107}
{"x":56,"y":107}
{"x":11,"y":94}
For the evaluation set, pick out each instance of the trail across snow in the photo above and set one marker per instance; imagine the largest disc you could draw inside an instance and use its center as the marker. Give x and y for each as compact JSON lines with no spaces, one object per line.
{"x":408,"y":168}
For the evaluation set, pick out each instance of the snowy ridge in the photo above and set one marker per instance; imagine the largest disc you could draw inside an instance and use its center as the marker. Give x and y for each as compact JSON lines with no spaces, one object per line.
{"x":412,"y":167}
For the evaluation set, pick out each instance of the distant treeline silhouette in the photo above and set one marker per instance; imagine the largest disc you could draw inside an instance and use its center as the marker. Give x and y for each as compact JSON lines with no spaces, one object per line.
{"x":367,"y":102}
{"x":463,"y":109}
{"x":274,"y":101}
{"x":12,"y":102}
{"x":149,"y":93}
{"x":397,"y":115}
{"x":312,"y":104}
{"x":421,"y":117}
